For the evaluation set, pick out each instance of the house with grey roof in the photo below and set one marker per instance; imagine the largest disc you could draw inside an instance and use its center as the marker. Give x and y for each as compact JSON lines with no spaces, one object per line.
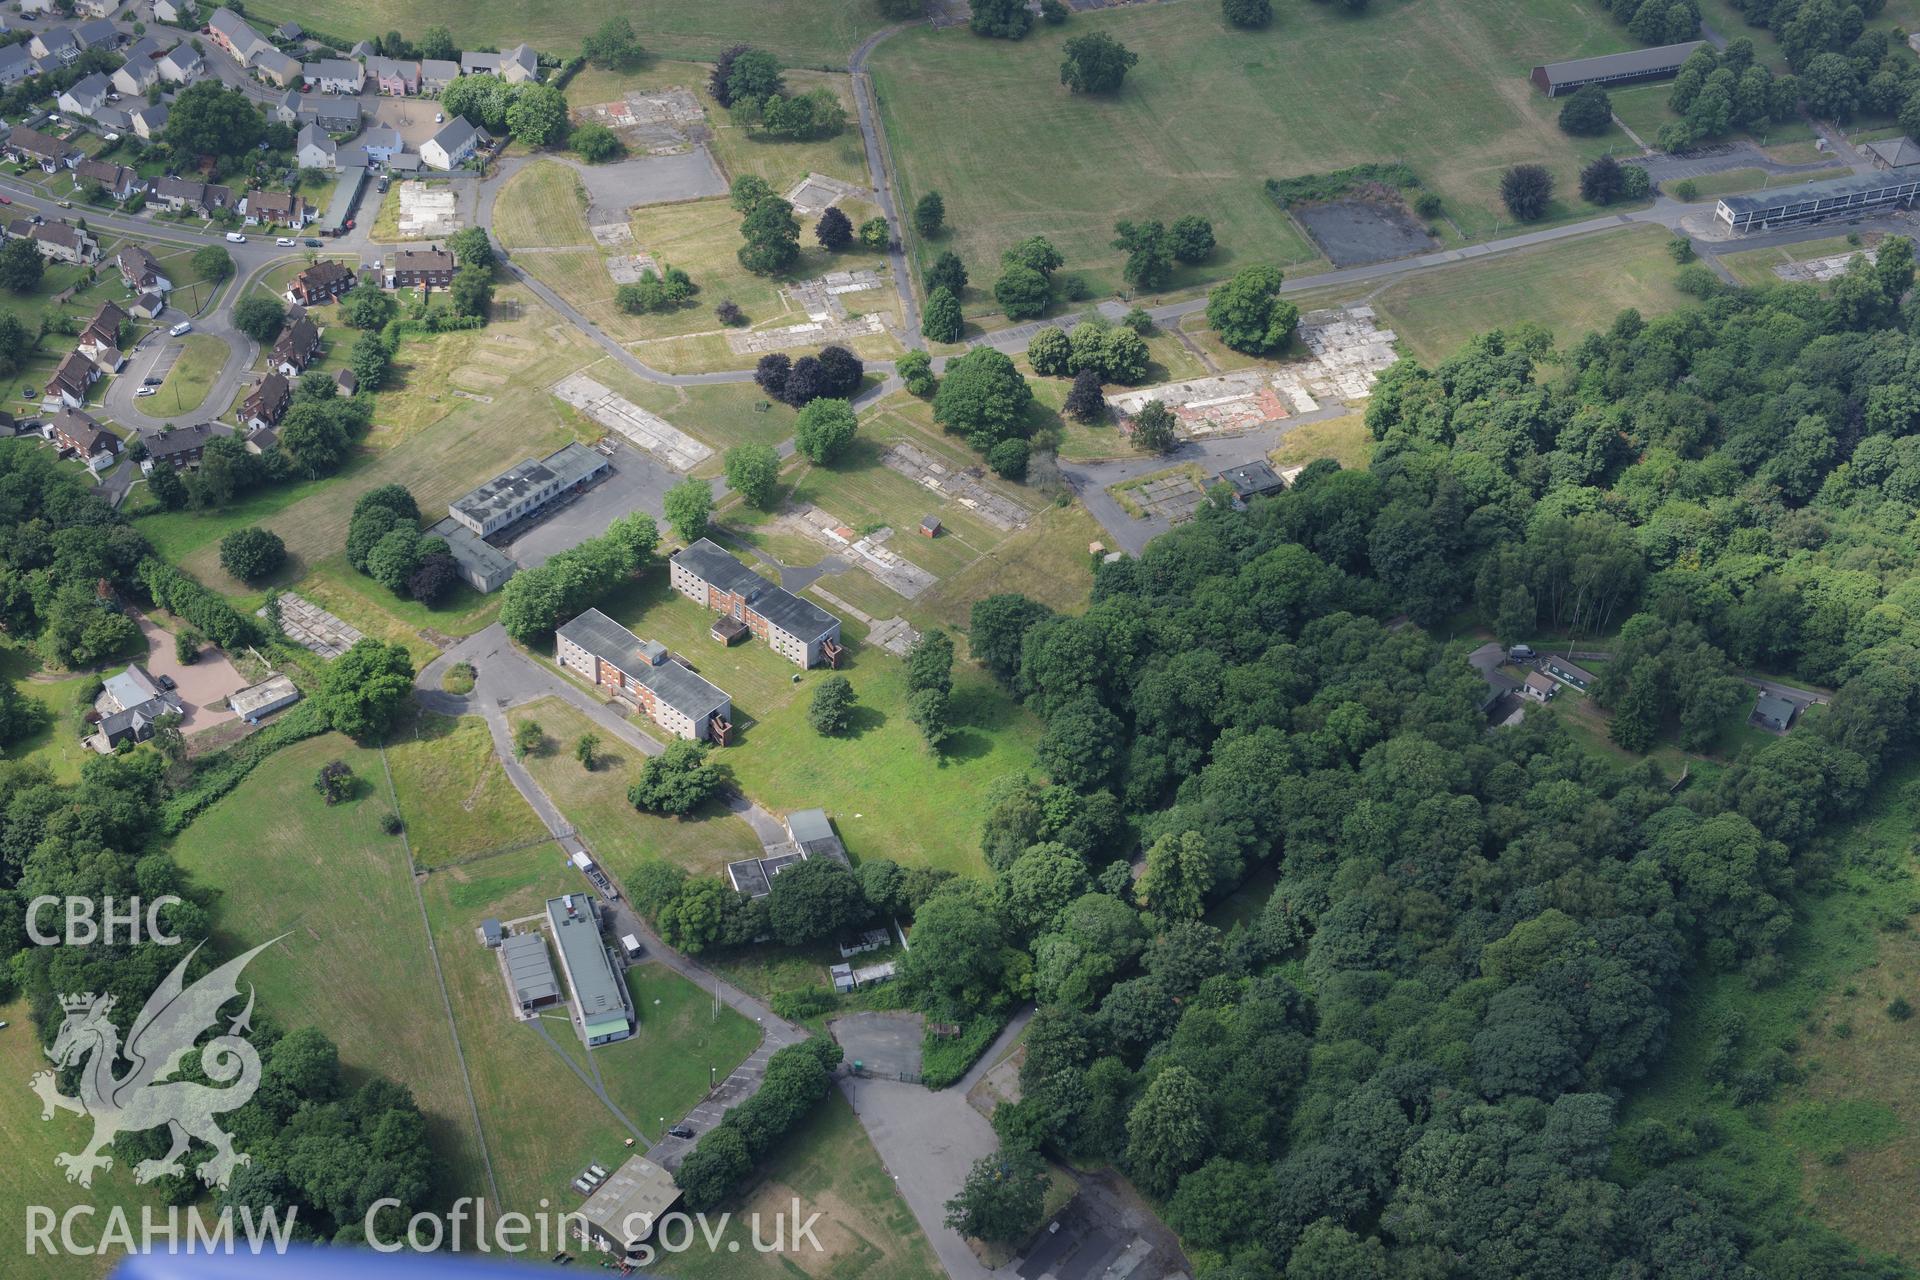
{"x":315,"y":149}
{"x":182,"y":65}
{"x":644,"y":676}
{"x":282,"y":69}
{"x":56,"y":44}
{"x":16,"y":64}
{"x":333,"y":75}
{"x":458,"y":139}
{"x":230,"y":31}
{"x":394,"y":77}
{"x":1773,"y":713}
{"x":795,"y":629}
{"x":141,"y":70}
{"x":148,"y":122}
{"x":98,"y":34}
{"x":437,"y":73}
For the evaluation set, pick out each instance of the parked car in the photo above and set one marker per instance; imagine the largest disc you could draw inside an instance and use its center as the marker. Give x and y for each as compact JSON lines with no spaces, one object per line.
{"x":185,"y":326}
{"x":439,"y":117}
{"x":147,"y":391}
{"x":680,"y":1131}
{"x":234,"y":237}
{"x":385,"y":182}
{"x":286,"y":242}
{"x":311,"y":243}
{"x":6,"y":199}
{"x":151,"y":382}
{"x":66,"y":204}
{"x":164,"y":681}
{"x":1522,"y":653}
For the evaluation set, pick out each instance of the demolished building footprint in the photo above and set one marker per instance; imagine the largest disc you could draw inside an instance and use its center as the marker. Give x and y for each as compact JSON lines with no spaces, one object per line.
{"x":964,"y":486}
{"x":647,"y":431}
{"x":866,"y":552}
{"x":1346,"y":353}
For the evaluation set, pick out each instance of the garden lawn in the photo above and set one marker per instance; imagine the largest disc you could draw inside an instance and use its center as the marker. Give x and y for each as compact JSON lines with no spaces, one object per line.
{"x":888,"y":794}
{"x":661,"y":1072}
{"x":192,"y":375}
{"x":806,"y":32}
{"x":1211,"y":112}
{"x":621,"y":837}
{"x":57,"y":745}
{"x":455,"y":796}
{"x":351,"y":952}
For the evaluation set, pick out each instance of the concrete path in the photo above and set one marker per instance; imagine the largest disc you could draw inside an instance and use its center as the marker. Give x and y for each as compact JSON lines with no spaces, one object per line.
{"x":928,"y":1142}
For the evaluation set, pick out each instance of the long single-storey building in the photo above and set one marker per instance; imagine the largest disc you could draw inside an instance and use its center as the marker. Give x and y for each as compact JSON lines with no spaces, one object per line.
{"x":642,"y":674}
{"x":1815,"y":201}
{"x":802,"y":633}
{"x":481,"y":566}
{"x":520,"y":491}
{"x":599,"y":997}
{"x":623,"y":1211}
{"x":1558,"y":78}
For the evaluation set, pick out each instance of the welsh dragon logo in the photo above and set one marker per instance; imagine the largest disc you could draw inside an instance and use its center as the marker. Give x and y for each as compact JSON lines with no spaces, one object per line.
{"x":170,"y":1022}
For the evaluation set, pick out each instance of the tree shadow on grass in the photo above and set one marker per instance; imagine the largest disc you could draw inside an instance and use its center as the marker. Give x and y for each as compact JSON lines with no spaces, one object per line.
{"x":862,"y":720}
{"x":964,"y":744}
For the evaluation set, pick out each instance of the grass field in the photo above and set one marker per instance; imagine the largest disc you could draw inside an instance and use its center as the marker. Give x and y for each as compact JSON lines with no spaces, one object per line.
{"x":1755,"y":266}
{"x":663,"y":1069}
{"x":55,"y":746}
{"x":1834,"y":1143}
{"x":1732,"y":181}
{"x":1210,"y":113}
{"x":826,"y":1165}
{"x":596,"y":803}
{"x":457,"y":799}
{"x":887,"y":793}
{"x":488,"y":387}
{"x":352,"y":957}
{"x":805,"y":32}
{"x":1344,"y":439}
{"x":542,"y":214}
{"x":1570,"y":288}
{"x":781,"y":162}
{"x":192,"y":375}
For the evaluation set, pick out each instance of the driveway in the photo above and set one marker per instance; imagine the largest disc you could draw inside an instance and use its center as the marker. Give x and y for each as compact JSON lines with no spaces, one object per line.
{"x":884,"y":1044}
{"x":928,"y":1142}
{"x":612,"y":189}
{"x":200,"y":685}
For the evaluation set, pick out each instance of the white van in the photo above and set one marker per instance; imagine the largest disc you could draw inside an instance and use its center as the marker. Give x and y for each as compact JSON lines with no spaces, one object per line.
{"x":234,"y":237}
{"x":185,"y":326}
{"x":631,"y":945}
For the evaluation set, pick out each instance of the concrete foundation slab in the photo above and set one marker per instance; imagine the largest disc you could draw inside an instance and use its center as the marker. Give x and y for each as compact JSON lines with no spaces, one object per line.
{"x":867,"y":553}
{"x":813,"y":193}
{"x":964,"y":486}
{"x":648,"y":431}
{"x":312,"y":627}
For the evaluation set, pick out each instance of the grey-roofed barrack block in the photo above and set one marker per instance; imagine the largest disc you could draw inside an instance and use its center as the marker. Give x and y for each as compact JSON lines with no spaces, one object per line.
{"x":598,"y":649}
{"x":522,"y":490}
{"x":1556,"y":78}
{"x":799,"y":631}
{"x":1861,"y":193}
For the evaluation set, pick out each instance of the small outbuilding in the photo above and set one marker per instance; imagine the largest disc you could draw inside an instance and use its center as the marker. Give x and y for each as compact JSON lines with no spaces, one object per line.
{"x":1773,"y":713}
{"x":930,"y":527}
{"x":1893,"y":153}
{"x":256,"y":702}
{"x":1537,"y":687}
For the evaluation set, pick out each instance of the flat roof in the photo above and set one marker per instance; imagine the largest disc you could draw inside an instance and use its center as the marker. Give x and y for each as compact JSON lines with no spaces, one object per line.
{"x":567,"y":466}
{"x":530,"y":968}
{"x":596,"y":990}
{"x":749,"y":877}
{"x":1785,"y":198}
{"x":466,"y":549}
{"x":631,"y":1201}
{"x":807,"y":825}
{"x":1253,"y":477}
{"x":1632,"y":62}
{"x":268,"y":693}
{"x":647,"y":663}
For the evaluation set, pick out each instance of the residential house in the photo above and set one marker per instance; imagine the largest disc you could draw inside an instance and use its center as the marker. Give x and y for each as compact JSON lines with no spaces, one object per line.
{"x":1538,"y":687}
{"x":16,"y":64}
{"x":332,"y":113}
{"x":100,"y":340}
{"x":437,"y":73}
{"x":182,"y":65}
{"x":287,"y":32}
{"x":321,"y":282}
{"x":797,"y":630}
{"x":140,"y":72}
{"x":260,"y":439}
{"x":130,"y":706}
{"x":265,"y":208}
{"x":140,"y":270}
{"x":314,"y":149}
{"x":112,"y":119}
{"x":333,"y":75}
{"x":266,"y":403}
{"x":181,"y":447}
{"x":98,"y":34}
{"x":1773,"y":712}
{"x":148,"y":122}
{"x":59,"y":241}
{"x":230,"y":31}
{"x":69,"y":381}
{"x":381,"y":142}
{"x":168,"y":12}
{"x":277,"y":67}
{"x":77,"y":432}
{"x":403,"y":162}
{"x":148,"y":306}
{"x":394,"y":77}
{"x":517,"y":65}
{"x":32,"y":146}
{"x":120,"y":182}
{"x":55,"y":44}
{"x":181,"y":195}
{"x":297,"y":347}
{"x":449,"y":148}
{"x":85,"y":96}
{"x":362,"y":50}
{"x":1563,"y":670}
{"x":430,"y":268}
